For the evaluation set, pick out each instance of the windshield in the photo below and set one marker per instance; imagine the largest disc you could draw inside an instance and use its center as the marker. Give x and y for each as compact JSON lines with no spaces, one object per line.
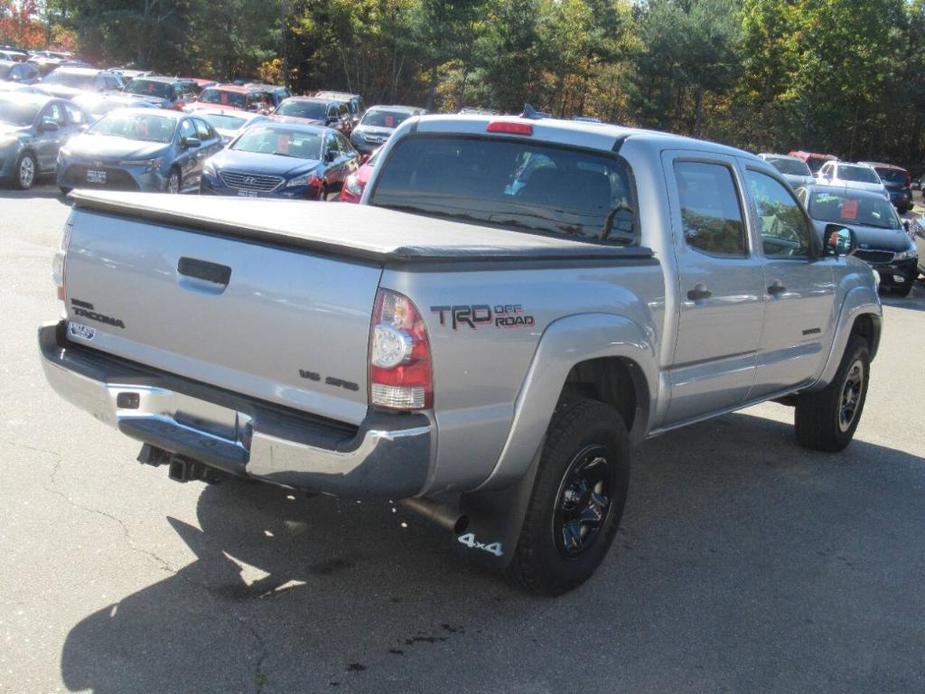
{"x":384,"y":119}
{"x":225,"y":98}
{"x":314,"y":110}
{"x":280,"y":141}
{"x":223,"y":122}
{"x":815,"y":163}
{"x":518,"y":185}
{"x":78,"y":80}
{"x":871,"y":211}
{"x":161,"y":90}
{"x":17,"y":113}
{"x":136,"y":126}
{"x":858,"y":174}
{"x":895,"y":177}
{"x":792,"y":167}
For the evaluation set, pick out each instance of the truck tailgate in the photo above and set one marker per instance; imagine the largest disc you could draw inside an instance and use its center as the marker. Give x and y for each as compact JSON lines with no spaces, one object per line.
{"x":284,"y":325}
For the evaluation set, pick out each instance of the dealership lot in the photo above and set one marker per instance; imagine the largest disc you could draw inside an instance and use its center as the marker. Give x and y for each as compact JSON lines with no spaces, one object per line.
{"x":744,"y":563}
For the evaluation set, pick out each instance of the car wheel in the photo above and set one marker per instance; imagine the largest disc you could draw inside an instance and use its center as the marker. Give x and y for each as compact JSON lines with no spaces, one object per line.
{"x":826,"y":419}
{"x":25,"y":172}
{"x":577,"y":500}
{"x":173,"y":182}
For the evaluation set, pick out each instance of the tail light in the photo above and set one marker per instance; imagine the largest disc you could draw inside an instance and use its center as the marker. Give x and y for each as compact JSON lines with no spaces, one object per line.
{"x":400,"y":374}
{"x":59,"y":262}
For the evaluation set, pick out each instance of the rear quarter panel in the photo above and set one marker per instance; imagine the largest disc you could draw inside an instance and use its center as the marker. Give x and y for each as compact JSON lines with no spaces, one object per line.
{"x":480,"y":368}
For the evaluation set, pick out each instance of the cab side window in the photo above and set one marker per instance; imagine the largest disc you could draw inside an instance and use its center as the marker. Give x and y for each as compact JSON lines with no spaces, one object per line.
{"x":74,"y":115}
{"x":711,"y":214}
{"x":785,"y":230}
{"x":55,"y":112}
{"x":203,"y":130}
{"x":187,"y":129}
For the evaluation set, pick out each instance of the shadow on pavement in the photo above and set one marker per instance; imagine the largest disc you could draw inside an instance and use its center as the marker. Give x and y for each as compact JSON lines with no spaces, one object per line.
{"x":744,"y":563}
{"x":38,"y":192}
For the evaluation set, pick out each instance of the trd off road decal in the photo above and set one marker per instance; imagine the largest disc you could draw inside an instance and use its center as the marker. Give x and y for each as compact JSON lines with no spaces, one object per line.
{"x":483,"y":315}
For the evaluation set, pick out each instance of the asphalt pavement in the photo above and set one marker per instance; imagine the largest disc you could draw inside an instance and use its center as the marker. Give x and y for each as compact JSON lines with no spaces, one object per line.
{"x":744,"y":564}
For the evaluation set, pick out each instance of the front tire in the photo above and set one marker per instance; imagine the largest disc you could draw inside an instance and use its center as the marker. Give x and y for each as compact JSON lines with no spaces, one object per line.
{"x":25,"y":172}
{"x":577,"y":501}
{"x":825,"y":420}
{"x":174,"y":182}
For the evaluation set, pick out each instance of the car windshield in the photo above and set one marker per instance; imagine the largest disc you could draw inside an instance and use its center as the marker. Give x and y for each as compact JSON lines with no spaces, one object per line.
{"x":793,"y":167}
{"x":283,"y":142}
{"x":844,"y":208}
{"x":857,"y":174}
{"x":136,"y":126}
{"x":220,"y":121}
{"x":895,"y":177}
{"x":223,"y":97}
{"x":384,"y":119}
{"x":815,"y":163}
{"x":18,"y":113}
{"x":518,"y":185}
{"x":161,"y":90}
{"x":78,"y":80}
{"x":314,"y":110}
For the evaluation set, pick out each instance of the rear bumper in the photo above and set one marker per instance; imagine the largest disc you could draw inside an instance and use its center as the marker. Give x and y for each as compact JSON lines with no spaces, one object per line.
{"x":387,"y":456}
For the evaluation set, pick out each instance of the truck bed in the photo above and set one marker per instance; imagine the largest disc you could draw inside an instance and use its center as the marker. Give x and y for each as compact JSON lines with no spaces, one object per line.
{"x":362,"y":232}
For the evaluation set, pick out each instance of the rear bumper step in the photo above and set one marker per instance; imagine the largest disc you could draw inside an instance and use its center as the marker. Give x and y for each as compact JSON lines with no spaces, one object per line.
{"x":388,"y":456}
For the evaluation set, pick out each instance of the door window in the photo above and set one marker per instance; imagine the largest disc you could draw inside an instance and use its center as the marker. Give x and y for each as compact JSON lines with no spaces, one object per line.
{"x":187,"y":129}
{"x":710,"y":211}
{"x":204,"y":132}
{"x":56,"y":113}
{"x":74,"y":115}
{"x":785,"y":230}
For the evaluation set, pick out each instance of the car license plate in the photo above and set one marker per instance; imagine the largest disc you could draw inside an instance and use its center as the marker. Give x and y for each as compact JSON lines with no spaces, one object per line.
{"x":96,"y":176}
{"x":247,"y":193}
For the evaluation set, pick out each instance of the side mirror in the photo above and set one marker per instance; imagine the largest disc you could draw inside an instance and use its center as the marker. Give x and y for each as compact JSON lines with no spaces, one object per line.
{"x":48,"y":125}
{"x":330,"y":155}
{"x":838,"y":240}
{"x":191,"y":142}
{"x":906,"y":225}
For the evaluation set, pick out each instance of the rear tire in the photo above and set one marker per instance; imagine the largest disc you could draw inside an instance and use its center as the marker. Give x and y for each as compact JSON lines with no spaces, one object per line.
{"x":577,"y":501}
{"x":825,"y":420}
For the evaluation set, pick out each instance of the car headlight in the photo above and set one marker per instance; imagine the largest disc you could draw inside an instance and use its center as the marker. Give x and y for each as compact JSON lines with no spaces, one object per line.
{"x":907,"y":254}
{"x":353,"y":185}
{"x":303,"y":180}
{"x":208,"y":169}
{"x":149,"y":165}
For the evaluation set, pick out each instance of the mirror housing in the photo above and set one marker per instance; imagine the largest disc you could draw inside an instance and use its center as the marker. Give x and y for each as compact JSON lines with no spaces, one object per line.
{"x":191,"y":142}
{"x":838,"y":240}
{"x":906,"y":225}
{"x":329,"y":156}
{"x":48,"y":125}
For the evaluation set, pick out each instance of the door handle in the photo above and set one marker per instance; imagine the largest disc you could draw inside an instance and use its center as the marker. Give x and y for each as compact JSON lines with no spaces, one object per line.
{"x":776,"y":288}
{"x":204,"y":270}
{"x":699,"y":292}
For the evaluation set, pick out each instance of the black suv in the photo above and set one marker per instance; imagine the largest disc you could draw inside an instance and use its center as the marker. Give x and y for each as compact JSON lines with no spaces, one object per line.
{"x":164,"y":92}
{"x":898,"y":184}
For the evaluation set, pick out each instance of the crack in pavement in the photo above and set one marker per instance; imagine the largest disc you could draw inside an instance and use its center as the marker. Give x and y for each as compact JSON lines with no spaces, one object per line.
{"x":260,"y":677}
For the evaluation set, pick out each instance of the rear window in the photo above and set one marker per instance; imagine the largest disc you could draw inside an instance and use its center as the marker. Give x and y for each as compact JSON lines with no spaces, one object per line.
{"x":895,"y":177}
{"x":516,"y":184}
{"x":815,"y":163}
{"x":858,"y":174}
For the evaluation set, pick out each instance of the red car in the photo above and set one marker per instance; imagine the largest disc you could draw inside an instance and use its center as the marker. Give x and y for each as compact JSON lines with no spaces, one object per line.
{"x":356,"y":182}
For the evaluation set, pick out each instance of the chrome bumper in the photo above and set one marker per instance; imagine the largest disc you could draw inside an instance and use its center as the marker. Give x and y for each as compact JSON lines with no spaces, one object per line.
{"x":387,"y":456}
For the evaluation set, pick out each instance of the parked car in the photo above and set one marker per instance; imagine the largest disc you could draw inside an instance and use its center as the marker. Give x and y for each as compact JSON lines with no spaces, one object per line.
{"x":356,"y":182}
{"x":163,"y":92}
{"x":485,"y":359}
{"x":854,"y":176}
{"x":813,"y":160}
{"x":898,"y":184}
{"x":354,"y":103}
{"x":233,"y":96}
{"x":32,"y":129}
{"x":883,"y":240}
{"x":315,"y":111}
{"x":229,"y":122}
{"x":917,"y":231}
{"x":282,"y":160}
{"x":276,"y":93}
{"x":151,"y":150}
{"x":793,"y":169}
{"x":199,"y":83}
{"x":19,"y":72}
{"x":13,"y":56}
{"x":378,"y":123}
{"x":97,"y":105}
{"x":68,"y":82}
{"x":45,"y":65}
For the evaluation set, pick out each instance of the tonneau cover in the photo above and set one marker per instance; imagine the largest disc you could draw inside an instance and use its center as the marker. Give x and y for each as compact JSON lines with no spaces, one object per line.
{"x":371,"y":233}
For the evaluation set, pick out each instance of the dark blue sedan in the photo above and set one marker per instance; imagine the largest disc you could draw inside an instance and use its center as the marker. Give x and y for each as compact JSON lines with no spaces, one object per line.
{"x":282,"y":160}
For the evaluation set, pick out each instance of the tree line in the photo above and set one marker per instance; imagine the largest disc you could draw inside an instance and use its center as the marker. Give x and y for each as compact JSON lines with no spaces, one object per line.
{"x":836,"y":76}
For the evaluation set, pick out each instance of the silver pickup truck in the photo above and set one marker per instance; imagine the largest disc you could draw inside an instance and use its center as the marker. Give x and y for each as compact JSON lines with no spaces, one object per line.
{"x":516,"y":303}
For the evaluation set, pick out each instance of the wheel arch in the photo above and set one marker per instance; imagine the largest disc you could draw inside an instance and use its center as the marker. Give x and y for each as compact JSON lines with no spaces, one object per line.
{"x":860,"y":314}
{"x":603,"y":356}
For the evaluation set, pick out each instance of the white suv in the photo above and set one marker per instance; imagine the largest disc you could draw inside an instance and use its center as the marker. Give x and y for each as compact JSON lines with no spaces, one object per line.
{"x":855,"y":176}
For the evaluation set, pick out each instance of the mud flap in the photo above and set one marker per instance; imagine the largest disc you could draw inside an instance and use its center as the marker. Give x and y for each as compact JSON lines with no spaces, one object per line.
{"x":495,"y":519}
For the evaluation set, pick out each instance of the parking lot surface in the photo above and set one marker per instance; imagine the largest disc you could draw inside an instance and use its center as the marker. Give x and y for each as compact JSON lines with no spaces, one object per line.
{"x":744,"y":563}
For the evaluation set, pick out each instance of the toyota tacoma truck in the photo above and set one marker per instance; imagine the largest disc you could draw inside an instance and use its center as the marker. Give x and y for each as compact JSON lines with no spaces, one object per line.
{"x":516,"y":303}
